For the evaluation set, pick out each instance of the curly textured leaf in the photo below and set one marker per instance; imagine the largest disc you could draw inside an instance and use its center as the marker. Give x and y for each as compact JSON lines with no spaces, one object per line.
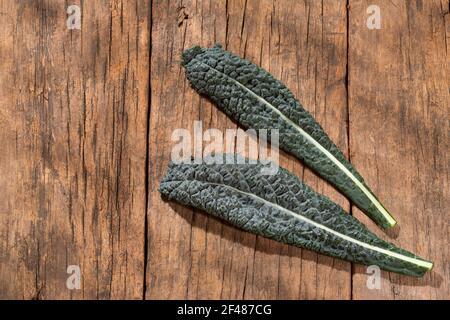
{"x":283,"y":208}
{"x":251,"y":96}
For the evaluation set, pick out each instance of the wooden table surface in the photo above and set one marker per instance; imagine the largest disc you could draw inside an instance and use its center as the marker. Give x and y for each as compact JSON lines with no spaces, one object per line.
{"x":86,"y":118}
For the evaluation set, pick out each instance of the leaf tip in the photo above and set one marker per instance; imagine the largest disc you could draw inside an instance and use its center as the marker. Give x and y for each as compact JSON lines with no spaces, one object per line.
{"x":190,"y":54}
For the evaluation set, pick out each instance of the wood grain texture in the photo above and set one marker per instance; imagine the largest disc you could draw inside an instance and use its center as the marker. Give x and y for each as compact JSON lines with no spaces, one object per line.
{"x":73,"y":135}
{"x":86,"y":123}
{"x":191,"y":255}
{"x":399,"y":84}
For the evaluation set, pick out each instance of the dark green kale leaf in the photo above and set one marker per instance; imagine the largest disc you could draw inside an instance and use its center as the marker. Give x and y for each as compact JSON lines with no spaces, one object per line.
{"x":283,"y":208}
{"x":255,"y":99}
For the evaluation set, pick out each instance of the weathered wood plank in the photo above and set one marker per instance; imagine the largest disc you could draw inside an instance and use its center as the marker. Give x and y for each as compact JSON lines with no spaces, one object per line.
{"x":304,"y":45}
{"x":175,"y":251}
{"x":191,"y":255}
{"x":399,"y":105}
{"x":73,"y":135}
